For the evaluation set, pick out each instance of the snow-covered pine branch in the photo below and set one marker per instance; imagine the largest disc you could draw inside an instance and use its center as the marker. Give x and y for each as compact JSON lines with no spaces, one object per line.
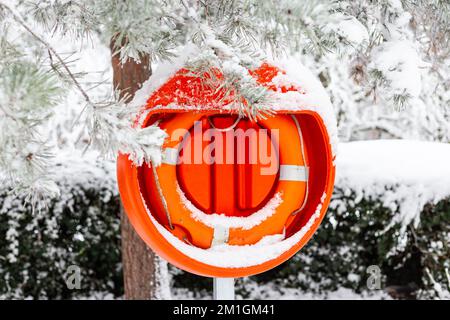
{"x":30,"y":88}
{"x":229,"y":32}
{"x":28,"y":93}
{"x":402,"y":73}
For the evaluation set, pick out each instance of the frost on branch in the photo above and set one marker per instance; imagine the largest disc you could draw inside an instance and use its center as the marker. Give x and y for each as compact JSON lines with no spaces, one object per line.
{"x":112,"y":130}
{"x":27,"y":97}
{"x":401,"y":72}
{"x":233,"y":34}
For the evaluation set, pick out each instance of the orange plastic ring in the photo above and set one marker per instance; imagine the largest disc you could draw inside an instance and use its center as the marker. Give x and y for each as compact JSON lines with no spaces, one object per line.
{"x":321,"y":167}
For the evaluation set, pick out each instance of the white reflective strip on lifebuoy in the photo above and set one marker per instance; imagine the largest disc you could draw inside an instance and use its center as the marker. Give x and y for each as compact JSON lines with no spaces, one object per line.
{"x":289,"y":172}
{"x":220,"y":236}
{"x":170,"y":156}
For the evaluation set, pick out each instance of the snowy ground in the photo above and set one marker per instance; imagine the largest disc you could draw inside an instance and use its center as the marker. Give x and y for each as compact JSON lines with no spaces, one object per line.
{"x":271,"y":292}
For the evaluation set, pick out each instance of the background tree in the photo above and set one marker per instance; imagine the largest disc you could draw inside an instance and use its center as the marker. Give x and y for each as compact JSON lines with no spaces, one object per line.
{"x":140,"y":264}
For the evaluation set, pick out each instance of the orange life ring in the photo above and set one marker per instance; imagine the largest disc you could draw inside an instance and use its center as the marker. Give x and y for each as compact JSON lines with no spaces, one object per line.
{"x":291,"y":186}
{"x":178,"y":102}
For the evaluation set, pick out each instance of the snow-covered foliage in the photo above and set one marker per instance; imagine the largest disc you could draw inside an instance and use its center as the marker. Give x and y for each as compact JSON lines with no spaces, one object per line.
{"x":409,"y":178}
{"x":37,"y":249}
{"x":396,"y":84}
{"x":28,"y":94}
{"x":33,"y":78}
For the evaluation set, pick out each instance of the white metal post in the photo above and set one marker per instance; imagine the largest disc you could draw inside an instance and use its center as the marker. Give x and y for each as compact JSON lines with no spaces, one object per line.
{"x":223,"y":288}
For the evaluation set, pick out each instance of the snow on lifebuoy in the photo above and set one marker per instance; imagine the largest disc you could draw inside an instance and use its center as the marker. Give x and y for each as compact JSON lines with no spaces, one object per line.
{"x":214,"y":228}
{"x":229,"y":256}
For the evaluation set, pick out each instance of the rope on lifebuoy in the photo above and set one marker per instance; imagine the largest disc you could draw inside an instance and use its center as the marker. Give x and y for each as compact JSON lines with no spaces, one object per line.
{"x":299,"y":129}
{"x":161,"y":196}
{"x":225,"y":129}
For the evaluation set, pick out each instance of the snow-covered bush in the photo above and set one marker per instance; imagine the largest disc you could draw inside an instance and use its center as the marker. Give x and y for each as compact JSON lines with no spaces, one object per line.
{"x":350,"y":241}
{"x":347,"y":244}
{"x":82,"y":228}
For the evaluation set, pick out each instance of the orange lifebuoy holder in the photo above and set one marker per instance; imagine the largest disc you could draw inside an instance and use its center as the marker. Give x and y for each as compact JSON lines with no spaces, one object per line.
{"x":217,"y":209}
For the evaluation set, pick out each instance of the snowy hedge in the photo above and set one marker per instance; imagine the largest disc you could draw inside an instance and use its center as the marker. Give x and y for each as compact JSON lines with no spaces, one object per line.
{"x":350,"y":241}
{"x":80,"y":228}
{"x":383,"y":213}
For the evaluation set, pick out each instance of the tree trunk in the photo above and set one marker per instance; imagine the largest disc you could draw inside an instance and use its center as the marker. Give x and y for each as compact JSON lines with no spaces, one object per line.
{"x":140,"y":264}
